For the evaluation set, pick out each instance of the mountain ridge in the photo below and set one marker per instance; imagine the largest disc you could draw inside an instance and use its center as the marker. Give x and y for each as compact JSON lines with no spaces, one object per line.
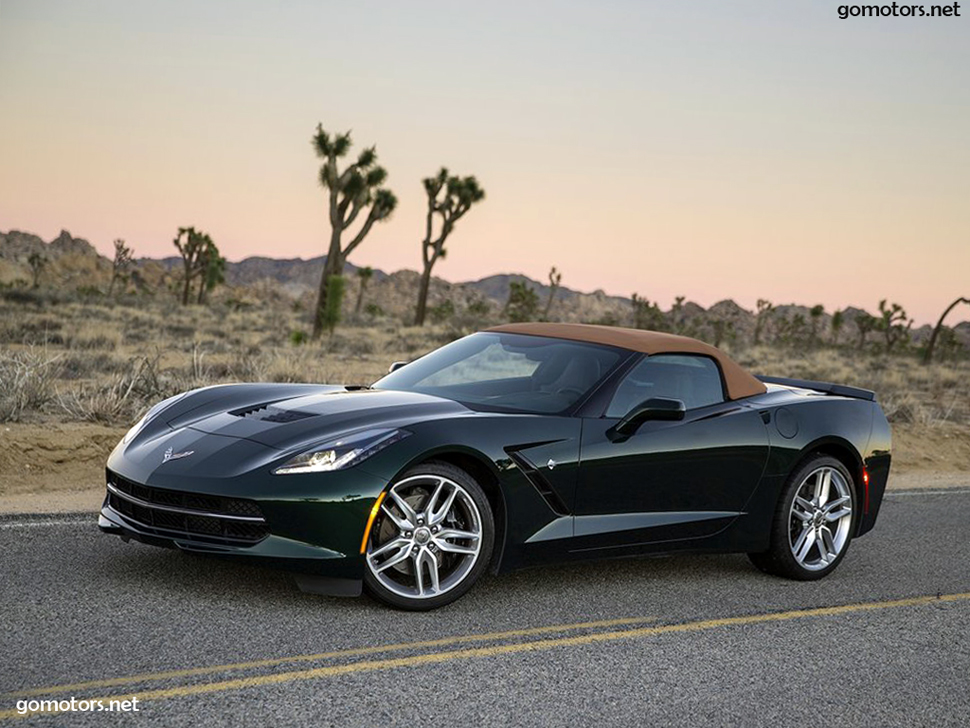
{"x":74,"y":261}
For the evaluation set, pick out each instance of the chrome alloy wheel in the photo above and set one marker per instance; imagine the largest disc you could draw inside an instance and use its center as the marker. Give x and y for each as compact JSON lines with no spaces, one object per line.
{"x":427,"y":537}
{"x":820,"y":518}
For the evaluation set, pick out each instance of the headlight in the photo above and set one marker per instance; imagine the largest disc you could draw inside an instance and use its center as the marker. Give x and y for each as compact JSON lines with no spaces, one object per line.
{"x":341,"y":453}
{"x":136,"y":428}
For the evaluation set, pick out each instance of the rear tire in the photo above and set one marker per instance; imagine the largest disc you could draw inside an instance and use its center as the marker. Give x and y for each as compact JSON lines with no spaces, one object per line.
{"x":432,"y":538}
{"x":813,"y":523}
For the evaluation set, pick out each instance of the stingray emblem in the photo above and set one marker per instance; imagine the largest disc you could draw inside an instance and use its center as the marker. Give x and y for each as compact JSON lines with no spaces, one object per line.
{"x":171,"y":455}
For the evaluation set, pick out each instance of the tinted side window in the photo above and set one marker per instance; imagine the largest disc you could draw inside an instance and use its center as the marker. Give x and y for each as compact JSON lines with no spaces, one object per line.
{"x":696,"y":380}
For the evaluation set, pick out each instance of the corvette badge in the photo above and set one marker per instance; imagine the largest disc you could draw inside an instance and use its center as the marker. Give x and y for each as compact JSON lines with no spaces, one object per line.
{"x":170,"y":455}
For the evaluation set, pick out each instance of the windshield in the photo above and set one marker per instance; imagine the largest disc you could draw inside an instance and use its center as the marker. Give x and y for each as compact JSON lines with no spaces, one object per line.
{"x":507,"y":371}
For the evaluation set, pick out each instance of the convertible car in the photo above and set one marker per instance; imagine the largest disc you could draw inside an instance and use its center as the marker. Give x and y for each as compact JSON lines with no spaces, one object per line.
{"x":516,"y":446}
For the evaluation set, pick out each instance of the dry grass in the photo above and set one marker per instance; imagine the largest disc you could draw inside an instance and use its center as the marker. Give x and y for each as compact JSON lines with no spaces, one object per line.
{"x":908,"y":391}
{"x":107,"y":363}
{"x":26,"y":382}
{"x":73,"y":376}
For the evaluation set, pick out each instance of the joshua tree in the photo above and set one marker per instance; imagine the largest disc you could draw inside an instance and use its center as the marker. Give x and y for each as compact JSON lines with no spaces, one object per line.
{"x":680,"y":322}
{"x":865,"y":322}
{"x":192,"y":246}
{"x":213,"y":268}
{"x":765,"y":309}
{"x":449,"y":198}
{"x":928,"y":354}
{"x":120,"y":265}
{"x":816,"y":313}
{"x":838,"y":319}
{"x":793,"y":331}
{"x":646,"y":315}
{"x":723,"y":329}
{"x":893,"y":323}
{"x":37,"y":263}
{"x":555,"y":278}
{"x":363,"y":276}
{"x":522,"y":303}
{"x":332,"y":306}
{"x":352,"y":191}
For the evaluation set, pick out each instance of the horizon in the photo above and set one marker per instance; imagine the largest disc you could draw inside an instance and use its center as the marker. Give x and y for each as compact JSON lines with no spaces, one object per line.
{"x":741,"y":152}
{"x":954,"y":320}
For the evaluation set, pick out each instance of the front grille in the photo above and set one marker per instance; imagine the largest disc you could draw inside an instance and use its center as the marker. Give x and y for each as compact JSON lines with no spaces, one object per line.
{"x":191,"y":516}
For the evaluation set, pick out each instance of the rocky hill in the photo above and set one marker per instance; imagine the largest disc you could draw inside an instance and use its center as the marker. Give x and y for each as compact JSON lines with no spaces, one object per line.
{"x":73,"y":264}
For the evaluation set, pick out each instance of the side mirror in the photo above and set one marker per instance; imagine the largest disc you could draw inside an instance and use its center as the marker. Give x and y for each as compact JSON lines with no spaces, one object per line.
{"x":656,"y":408}
{"x":395,"y":366}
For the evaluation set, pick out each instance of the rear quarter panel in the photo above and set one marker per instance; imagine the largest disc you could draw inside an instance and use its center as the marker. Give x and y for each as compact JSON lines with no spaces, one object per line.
{"x":854,"y":430}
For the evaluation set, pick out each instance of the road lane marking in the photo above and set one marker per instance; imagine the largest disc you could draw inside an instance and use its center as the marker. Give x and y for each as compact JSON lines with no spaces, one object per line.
{"x":956,"y":490}
{"x":496,"y":650}
{"x":352,"y":652}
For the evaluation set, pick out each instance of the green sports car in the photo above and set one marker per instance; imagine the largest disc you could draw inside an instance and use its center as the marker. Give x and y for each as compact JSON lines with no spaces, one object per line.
{"x":517,"y":446}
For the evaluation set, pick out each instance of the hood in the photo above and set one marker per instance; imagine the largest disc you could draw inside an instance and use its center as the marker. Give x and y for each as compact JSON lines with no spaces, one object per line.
{"x":287,"y":423}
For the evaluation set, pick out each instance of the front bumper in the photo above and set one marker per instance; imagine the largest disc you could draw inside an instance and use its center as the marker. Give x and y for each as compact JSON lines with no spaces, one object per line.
{"x":317,"y":570}
{"x":312,"y":525}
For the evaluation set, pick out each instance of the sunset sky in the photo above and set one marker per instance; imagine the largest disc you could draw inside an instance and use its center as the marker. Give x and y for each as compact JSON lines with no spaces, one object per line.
{"x":711,"y":149}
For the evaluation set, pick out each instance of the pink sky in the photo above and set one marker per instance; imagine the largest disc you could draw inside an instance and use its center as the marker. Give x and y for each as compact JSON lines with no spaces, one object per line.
{"x":743,"y":152}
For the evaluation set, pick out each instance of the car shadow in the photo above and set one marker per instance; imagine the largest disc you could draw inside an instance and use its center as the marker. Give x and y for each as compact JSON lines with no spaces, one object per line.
{"x":204,"y":576}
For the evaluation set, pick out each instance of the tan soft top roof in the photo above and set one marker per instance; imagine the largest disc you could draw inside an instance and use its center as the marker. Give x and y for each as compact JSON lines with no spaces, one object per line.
{"x":738,"y":382}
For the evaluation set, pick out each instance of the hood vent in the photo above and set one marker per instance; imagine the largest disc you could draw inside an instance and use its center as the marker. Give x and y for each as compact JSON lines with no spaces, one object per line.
{"x":268,"y":413}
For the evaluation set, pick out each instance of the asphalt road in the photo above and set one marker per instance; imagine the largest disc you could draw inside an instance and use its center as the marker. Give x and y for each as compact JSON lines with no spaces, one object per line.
{"x":690,"y":640}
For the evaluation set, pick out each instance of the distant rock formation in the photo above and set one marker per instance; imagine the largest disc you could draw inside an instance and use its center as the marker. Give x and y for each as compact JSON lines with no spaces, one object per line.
{"x":74,"y":263}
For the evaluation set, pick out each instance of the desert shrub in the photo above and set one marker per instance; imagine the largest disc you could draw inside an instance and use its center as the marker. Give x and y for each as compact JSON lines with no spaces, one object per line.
{"x":647,"y":315}
{"x":88,"y":343}
{"x":523,"y":302}
{"x":180,"y":331}
{"x":23,"y":296}
{"x":299,"y":337}
{"x":214,"y":347}
{"x":442,"y":312}
{"x":237,"y":304}
{"x":33,"y":331}
{"x":479,"y":307}
{"x":136,"y":336}
{"x":89,"y":292}
{"x":26,"y":383}
{"x":607,"y":319}
{"x":17,"y":283}
{"x":353,"y":345}
{"x":909,"y":408}
{"x":373,"y":310}
{"x":95,"y":313}
{"x":40,"y":326}
{"x":249,"y":368}
{"x":83,"y":366}
{"x":122,"y":397}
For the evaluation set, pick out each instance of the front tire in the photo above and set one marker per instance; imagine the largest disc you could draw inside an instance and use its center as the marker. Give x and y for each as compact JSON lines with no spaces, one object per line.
{"x":431,"y":540}
{"x":813,"y":523}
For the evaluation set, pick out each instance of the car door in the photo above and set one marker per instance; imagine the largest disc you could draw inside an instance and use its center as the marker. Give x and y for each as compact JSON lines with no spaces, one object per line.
{"x":669,"y":480}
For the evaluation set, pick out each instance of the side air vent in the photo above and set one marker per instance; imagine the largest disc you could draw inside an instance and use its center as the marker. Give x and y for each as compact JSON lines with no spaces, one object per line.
{"x":268,"y":413}
{"x":540,"y":483}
